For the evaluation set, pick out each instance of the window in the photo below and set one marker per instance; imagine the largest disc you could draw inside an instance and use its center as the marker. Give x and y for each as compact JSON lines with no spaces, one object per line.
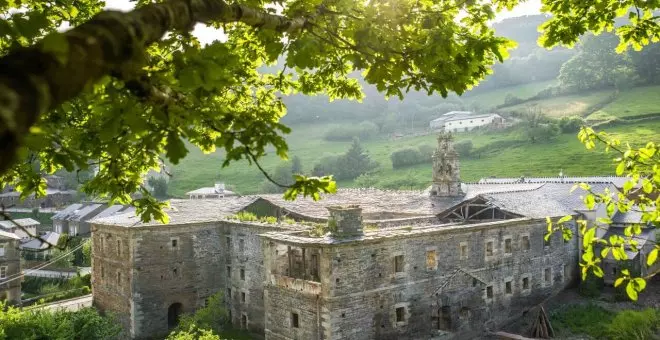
{"x":2,"y":250}
{"x":401,"y":314}
{"x":174,"y":243}
{"x":546,"y":275}
{"x":508,"y":288}
{"x":228,"y":242}
{"x":229,"y":293}
{"x":175,"y":271}
{"x":294,"y":320}
{"x":525,"y":283}
{"x":464,"y":250}
{"x":507,"y":246}
{"x":431,"y":260}
{"x":489,"y":248}
{"x":525,"y":242}
{"x":118,"y":277}
{"x":243,"y":297}
{"x":228,"y":271}
{"x":3,"y":272}
{"x":118,"y":247}
{"x":398,"y":264}
{"x":489,"y":292}
{"x":241,"y":245}
{"x":102,"y":242}
{"x":243,"y":274}
{"x":102,"y":272}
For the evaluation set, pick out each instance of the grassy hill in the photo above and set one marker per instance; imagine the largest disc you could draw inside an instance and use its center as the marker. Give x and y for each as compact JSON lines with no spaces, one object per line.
{"x":639,"y":101}
{"x":571,"y":105}
{"x":511,"y":156}
{"x":496,"y":97}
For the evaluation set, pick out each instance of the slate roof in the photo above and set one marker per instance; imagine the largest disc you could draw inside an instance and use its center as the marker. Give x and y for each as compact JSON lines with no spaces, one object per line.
{"x":23,"y":222}
{"x":629,"y":217}
{"x":63,"y":214}
{"x":211,"y":191}
{"x":34,"y":244}
{"x":616,"y":180}
{"x":6,"y":234}
{"x":49,"y":191}
{"x":550,"y":199}
{"x":184,"y":211}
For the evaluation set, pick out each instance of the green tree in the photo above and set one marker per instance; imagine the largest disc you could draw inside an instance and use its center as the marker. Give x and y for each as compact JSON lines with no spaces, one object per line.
{"x":137,"y":93}
{"x":355,"y":162}
{"x":159,"y":186}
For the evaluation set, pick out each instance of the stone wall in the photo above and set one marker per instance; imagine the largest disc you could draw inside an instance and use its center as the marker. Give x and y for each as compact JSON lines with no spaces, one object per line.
{"x":442,"y":282}
{"x":10,"y":290}
{"x":182,"y":265}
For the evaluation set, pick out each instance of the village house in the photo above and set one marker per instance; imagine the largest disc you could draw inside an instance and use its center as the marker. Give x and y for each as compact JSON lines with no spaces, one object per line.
{"x":74,"y":219}
{"x":10,"y":268}
{"x":448,"y":262}
{"x":57,"y":195}
{"x":463,"y":121}
{"x":24,"y":228}
{"x":216,"y":191}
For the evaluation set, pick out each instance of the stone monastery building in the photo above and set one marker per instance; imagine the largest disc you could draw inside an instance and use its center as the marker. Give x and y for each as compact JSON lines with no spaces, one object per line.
{"x":454,"y":261}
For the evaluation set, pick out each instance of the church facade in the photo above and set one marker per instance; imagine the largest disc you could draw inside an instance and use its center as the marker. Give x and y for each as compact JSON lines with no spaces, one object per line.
{"x":454,"y":261}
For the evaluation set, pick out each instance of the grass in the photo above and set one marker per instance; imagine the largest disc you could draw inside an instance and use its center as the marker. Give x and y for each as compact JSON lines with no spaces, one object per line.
{"x":600,"y":323}
{"x":572,"y":105}
{"x":496,"y":97}
{"x":638,"y":101}
{"x":514,"y":158}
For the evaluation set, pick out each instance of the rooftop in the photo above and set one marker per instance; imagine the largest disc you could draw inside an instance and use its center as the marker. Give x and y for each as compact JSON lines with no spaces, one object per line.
{"x":6,"y":234}
{"x":36,"y":244}
{"x":23,"y":222}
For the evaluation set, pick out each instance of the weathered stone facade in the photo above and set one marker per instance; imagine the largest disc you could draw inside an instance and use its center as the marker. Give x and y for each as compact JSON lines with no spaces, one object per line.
{"x":442,"y":287}
{"x":141,"y":273}
{"x":10,"y":268}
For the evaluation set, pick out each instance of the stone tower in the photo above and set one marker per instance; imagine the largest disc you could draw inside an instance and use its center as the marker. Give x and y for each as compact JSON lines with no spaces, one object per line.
{"x":446,"y":168}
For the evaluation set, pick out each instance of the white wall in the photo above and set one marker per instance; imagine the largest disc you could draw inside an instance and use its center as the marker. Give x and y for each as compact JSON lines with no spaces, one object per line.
{"x":468,"y":123}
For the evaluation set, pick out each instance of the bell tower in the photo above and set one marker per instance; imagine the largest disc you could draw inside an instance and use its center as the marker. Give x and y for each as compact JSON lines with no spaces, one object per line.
{"x":446,"y":168}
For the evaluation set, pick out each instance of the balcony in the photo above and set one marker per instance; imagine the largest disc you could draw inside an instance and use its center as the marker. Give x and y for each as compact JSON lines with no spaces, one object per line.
{"x":299,"y":285}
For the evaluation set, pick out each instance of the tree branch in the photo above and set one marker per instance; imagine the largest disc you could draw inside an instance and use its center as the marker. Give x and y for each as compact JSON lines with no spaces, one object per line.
{"x":36,"y":79}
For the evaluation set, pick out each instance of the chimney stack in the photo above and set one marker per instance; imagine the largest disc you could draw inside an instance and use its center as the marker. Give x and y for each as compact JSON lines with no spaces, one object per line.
{"x":345,"y":220}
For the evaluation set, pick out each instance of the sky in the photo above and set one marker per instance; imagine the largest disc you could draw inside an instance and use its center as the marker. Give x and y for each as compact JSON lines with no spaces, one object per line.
{"x":206,"y":34}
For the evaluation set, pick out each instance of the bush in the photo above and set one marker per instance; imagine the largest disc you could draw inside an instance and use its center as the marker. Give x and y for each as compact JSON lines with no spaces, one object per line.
{"x":511,"y":99}
{"x":406,"y":157}
{"x":582,"y":319}
{"x":592,"y":286}
{"x":364,"y":131}
{"x":463,"y":147}
{"x":426,"y":151}
{"x":630,"y":324}
{"x":570,"y":124}
{"x":353,"y":163}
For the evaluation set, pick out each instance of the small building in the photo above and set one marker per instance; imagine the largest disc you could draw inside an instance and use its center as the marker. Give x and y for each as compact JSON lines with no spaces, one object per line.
{"x":56,"y":196}
{"x":37,"y":247}
{"x":10,"y":267}
{"x":216,"y":191}
{"x":74,"y":219}
{"x":462,"y":121}
{"x":24,"y":228}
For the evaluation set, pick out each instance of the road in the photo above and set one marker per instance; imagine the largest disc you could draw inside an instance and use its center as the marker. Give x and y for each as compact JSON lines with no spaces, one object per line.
{"x":55,"y":273}
{"x":71,"y":305}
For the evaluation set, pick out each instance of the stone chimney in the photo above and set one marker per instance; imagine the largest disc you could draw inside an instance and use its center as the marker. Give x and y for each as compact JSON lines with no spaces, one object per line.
{"x":345,"y":220}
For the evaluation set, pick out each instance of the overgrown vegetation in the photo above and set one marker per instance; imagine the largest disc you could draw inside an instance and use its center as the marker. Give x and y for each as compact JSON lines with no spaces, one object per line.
{"x":84,"y":324}
{"x":600,"y":323}
{"x":44,"y":290}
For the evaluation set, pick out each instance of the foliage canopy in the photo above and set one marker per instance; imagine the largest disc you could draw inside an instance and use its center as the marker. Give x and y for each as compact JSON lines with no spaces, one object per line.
{"x":117,"y":93}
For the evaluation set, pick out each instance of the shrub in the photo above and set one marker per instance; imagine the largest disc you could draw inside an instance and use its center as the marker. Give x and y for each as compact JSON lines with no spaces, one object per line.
{"x":582,"y":319}
{"x":637,"y":325}
{"x":511,"y":99}
{"x":426,"y":151}
{"x":570,"y":124}
{"x":244,"y":216}
{"x":406,"y":157}
{"x":463,"y":147}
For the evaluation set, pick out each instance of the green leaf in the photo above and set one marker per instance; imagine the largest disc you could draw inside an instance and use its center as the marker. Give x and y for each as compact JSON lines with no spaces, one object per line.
{"x":618,"y":281}
{"x":652,"y":257}
{"x":598,"y":271}
{"x":588,"y":237}
{"x":630,"y":290}
{"x":176,"y":149}
{"x":56,"y":45}
{"x":620,"y":168}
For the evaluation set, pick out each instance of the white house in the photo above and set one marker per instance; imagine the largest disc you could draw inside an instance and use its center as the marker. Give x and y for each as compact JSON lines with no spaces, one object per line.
{"x":216,"y":191}
{"x":29,"y":227}
{"x":461,"y":121}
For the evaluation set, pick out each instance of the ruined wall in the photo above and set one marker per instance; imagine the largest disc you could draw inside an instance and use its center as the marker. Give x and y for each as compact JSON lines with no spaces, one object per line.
{"x":10,"y":290}
{"x":442,"y":282}
{"x":179,"y":267}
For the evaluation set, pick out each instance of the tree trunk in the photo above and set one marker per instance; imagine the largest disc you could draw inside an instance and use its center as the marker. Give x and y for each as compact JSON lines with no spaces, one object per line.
{"x":36,"y":79}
